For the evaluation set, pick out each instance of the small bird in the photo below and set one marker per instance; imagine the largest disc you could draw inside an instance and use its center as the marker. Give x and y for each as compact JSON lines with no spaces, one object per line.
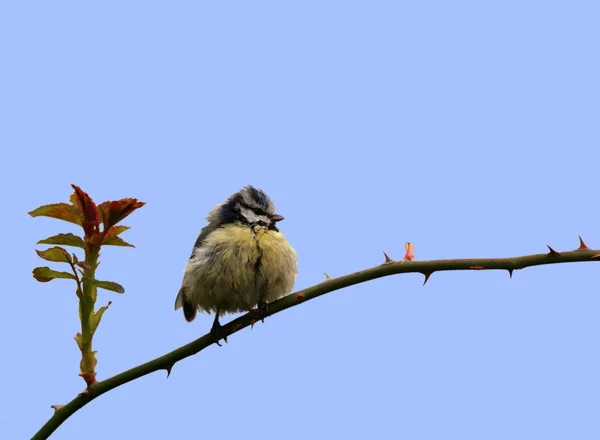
{"x":240,"y":260}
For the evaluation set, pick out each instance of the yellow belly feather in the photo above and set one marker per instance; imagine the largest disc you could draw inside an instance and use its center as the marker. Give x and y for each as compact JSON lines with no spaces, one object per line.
{"x":224,"y":277}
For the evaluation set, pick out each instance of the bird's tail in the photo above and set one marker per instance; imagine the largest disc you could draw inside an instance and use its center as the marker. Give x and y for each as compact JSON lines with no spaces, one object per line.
{"x":189,"y":309}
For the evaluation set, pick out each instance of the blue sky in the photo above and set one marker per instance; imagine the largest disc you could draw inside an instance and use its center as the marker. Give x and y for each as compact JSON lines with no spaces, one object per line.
{"x":468,"y":128}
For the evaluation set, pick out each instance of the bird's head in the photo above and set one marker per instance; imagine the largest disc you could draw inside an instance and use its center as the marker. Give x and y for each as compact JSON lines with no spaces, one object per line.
{"x":250,"y":206}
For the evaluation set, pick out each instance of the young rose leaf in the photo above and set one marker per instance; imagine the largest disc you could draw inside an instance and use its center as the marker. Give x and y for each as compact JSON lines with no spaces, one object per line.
{"x":109,"y":285}
{"x":103,"y":212}
{"x":55,"y":253}
{"x":115,"y":230}
{"x":61,"y":211}
{"x":64,"y":239}
{"x":116,"y":241}
{"x":82,"y":201}
{"x":117,"y":210}
{"x":45,"y":274}
{"x":98,"y":317}
{"x":79,"y":340}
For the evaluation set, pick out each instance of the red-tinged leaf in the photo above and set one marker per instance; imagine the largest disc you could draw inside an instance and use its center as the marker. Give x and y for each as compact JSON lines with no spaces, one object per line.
{"x":61,"y":211}
{"x":64,"y":239}
{"x":116,"y":241}
{"x":55,"y":253}
{"x":103,"y":212}
{"x":86,"y":205}
{"x":114,"y":231}
{"x":45,"y":274}
{"x":109,"y":285}
{"x":118,"y":210}
{"x":98,"y":317}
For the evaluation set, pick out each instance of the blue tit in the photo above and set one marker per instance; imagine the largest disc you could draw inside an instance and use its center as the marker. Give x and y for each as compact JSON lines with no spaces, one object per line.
{"x":240,"y":259}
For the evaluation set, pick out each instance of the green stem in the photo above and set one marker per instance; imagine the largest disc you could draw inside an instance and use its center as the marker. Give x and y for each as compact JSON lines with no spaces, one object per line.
{"x":167,"y":361}
{"x":86,"y":309}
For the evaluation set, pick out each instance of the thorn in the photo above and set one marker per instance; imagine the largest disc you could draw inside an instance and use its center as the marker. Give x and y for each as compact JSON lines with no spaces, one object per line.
{"x":90,"y":378}
{"x":169,"y":370}
{"x":477,"y":267}
{"x":582,"y":246}
{"x":56,"y":407}
{"x":427,"y":275}
{"x":552,"y":252}
{"x":299,"y":297}
{"x":510,"y":271}
{"x":596,"y":256}
{"x":252,"y":322}
{"x":409,"y":251}
{"x":327,"y":275}
{"x":388,"y":260}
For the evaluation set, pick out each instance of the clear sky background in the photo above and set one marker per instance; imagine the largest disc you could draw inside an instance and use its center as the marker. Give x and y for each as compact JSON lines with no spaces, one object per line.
{"x":468,"y":128}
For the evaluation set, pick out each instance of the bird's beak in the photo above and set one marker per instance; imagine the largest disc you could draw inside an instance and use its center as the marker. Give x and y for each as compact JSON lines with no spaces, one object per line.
{"x":277,"y":218}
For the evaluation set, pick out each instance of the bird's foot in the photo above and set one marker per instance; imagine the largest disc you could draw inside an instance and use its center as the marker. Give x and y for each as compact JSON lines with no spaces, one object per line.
{"x":217,"y":331}
{"x":263,"y":309}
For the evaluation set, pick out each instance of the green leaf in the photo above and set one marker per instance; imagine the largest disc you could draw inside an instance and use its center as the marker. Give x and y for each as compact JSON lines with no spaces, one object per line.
{"x":45,"y":274}
{"x":55,"y":253}
{"x":98,"y":317}
{"x":79,"y":339}
{"x":61,"y":211}
{"x":65,"y":239}
{"x":116,"y":241}
{"x":109,"y":285}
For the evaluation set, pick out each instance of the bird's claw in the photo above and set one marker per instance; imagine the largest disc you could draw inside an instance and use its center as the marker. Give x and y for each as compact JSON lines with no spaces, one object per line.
{"x":217,"y":332}
{"x":263,"y":308}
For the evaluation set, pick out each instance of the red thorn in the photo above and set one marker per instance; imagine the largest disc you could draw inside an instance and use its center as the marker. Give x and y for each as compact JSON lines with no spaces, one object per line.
{"x":327,"y":275}
{"x":388,"y":260}
{"x":510,"y":271}
{"x":477,"y":267}
{"x":552,"y":252}
{"x":299,"y":297}
{"x":596,"y":256}
{"x":169,"y":370}
{"x":90,"y":378}
{"x":582,"y":246}
{"x":427,"y":275}
{"x":252,"y":324}
{"x":410,"y":251}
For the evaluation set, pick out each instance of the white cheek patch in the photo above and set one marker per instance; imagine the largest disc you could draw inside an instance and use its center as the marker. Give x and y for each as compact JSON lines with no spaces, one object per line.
{"x":253,"y":217}
{"x":249,"y":214}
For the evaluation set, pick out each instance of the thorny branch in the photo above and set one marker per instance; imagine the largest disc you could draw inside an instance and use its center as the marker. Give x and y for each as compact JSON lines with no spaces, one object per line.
{"x":389,"y":267}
